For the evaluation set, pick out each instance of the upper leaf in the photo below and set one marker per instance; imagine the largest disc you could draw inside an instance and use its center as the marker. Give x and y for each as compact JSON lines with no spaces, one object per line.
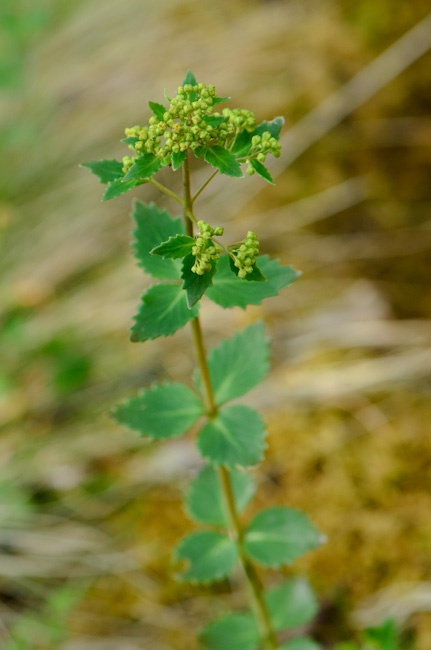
{"x":177,"y":159}
{"x":119,"y":187}
{"x":210,"y":556}
{"x":301,"y":643}
{"x":157,"y":109}
{"x":154,"y":227}
{"x":279,"y":535}
{"x":189,"y":79}
{"x":239,"y":364}
{"x":144,"y":167}
{"x":161,"y":412}
{"x":290,"y":604}
{"x":214,"y":120}
{"x":195,"y":285}
{"x":162,"y":312}
{"x":223,"y":160}
{"x":274,"y":127}
{"x":242,"y":144}
{"x":205,"y":501}
{"x":261,"y":170}
{"x":176,"y":247}
{"x":230,"y":291}
{"x":239,"y":630}
{"x":235,"y":437}
{"x":105,"y":170}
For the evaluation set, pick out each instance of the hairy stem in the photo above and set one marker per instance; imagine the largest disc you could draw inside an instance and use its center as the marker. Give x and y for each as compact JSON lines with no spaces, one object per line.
{"x":268,"y":636}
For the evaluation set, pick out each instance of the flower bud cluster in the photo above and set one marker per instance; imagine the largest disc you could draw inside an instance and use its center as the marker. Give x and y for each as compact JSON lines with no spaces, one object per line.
{"x":204,"y":249}
{"x":241,"y":118}
{"x":262,"y":145}
{"x":246,"y":254}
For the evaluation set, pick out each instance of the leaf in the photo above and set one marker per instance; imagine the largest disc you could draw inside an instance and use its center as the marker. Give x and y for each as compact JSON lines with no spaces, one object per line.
{"x":255,"y":276}
{"x":230,"y":291}
{"x":205,"y":501}
{"x":176,"y":247}
{"x":144,"y":167}
{"x":195,"y":285}
{"x":177,"y":159}
{"x":220,"y":100}
{"x":161,"y":412}
{"x":189,"y":79}
{"x":261,"y":170}
{"x":279,"y":535}
{"x":239,"y":364}
{"x":223,"y":160}
{"x":211,"y":556}
{"x":162,"y":312}
{"x":158,"y":110}
{"x":153,"y":227}
{"x":385,"y":636}
{"x":119,"y":187}
{"x":131,"y":139}
{"x":290,"y":604}
{"x":301,"y":643}
{"x":242,"y":144}
{"x":105,"y":170}
{"x":214,"y":120}
{"x":236,"y":631}
{"x":274,"y":127}
{"x":235,"y":437}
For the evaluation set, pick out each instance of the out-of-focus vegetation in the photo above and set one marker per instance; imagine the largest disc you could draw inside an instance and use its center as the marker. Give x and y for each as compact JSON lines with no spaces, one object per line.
{"x":89,"y":512}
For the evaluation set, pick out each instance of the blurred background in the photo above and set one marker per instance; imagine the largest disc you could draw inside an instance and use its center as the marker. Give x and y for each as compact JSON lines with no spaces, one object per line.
{"x":89,"y":512}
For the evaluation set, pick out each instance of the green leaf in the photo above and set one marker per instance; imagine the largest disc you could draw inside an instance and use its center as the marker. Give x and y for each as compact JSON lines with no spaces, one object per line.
{"x":176,"y":247}
{"x":105,"y":170}
{"x":290,"y":604}
{"x":279,"y":535}
{"x":239,"y":364}
{"x":230,"y":291}
{"x":223,"y":160}
{"x":177,"y":159}
{"x":158,"y":110}
{"x":205,"y":501}
{"x":301,"y":643}
{"x":189,"y":79}
{"x":162,"y":312}
{"x":153,"y":227}
{"x":161,"y":412}
{"x":214,"y":120}
{"x":236,"y":631}
{"x":210,"y":556}
{"x":144,"y":167}
{"x":274,"y":127}
{"x":235,"y":437}
{"x":255,"y":276}
{"x":242,"y":144}
{"x":220,"y":100}
{"x":119,"y":187}
{"x":131,"y":139}
{"x":385,"y":635}
{"x":261,"y":170}
{"x":195,"y":285}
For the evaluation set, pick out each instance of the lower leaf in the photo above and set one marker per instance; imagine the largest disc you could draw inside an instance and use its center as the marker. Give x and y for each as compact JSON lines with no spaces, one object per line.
{"x":210,"y":556}
{"x":290,"y":604}
{"x":236,"y":631}
{"x":301,"y":643}
{"x":162,"y":312}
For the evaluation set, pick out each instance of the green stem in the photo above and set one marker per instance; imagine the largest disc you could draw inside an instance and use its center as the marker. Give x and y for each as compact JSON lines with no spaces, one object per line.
{"x":203,"y":186}
{"x":267,"y":634}
{"x":166,"y":190}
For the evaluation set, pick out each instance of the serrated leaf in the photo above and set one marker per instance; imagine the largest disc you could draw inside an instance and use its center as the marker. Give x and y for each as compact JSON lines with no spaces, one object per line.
{"x":205,"y":501}
{"x":214,"y":120}
{"x":230,"y":291}
{"x":220,"y":100}
{"x":153,"y":227}
{"x":195,"y":285}
{"x":290,"y":604}
{"x":301,"y":643}
{"x":189,"y":79}
{"x":131,"y":139}
{"x":274,"y":127}
{"x":242,"y":144}
{"x":144,"y":167}
{"x":278,"y":535}
{"x":235,"y":437}
{"x":161,"y":412}
{"x":158,"y":110}
{"x":261,"y":170}
{"x":236,"y":631}
{"x":162,"y":312}
{"x":177,"y":159}
{"x":176,"y":247}
{"x":223,"y":160}
{"x":105,"y":170}
{"x":239,"y":364}
{"x":119,"y":187}
{"x":255,"y":276}
{"x":210,"y":556}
